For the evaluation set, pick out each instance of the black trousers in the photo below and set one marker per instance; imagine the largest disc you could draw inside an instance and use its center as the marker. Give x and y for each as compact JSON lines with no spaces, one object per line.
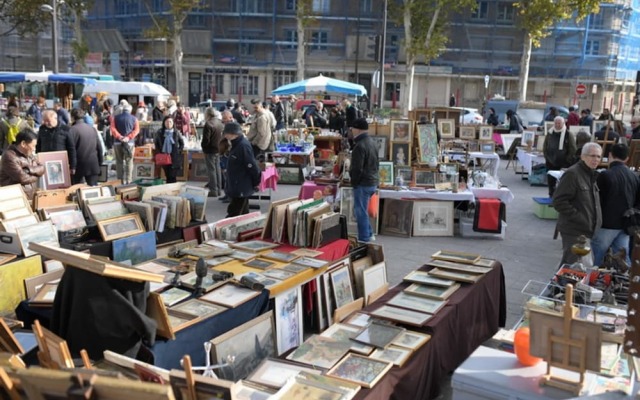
{"x":170,"y":173}
{"x":92,"y":180}
{"x":238,"y":206}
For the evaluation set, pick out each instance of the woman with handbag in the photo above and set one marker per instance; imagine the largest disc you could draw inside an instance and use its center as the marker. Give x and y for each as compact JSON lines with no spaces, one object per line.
{"x":168,"y":146}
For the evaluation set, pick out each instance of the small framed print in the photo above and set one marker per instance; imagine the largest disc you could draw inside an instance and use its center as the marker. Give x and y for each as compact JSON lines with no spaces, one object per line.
{"x":411,"y":340}
{"x":385,"y":172}
{"x":426,"y":279}
{"x":259,"y":263}
{"x":290,"y":174}
{"x":198,"y":308}
{"x":488,"y":147}
{"x":143,"y":152}
{"x":264,"y":373}
{"x":423,"y":177}
{"x":467,"y":132}
{"x":401,"y":130}
{"x":381,"y":145}
{"x":254,"y":246}
{"x":433,"y":218}
{"x":455,"y":275}
{"x":119,"y":227}
{"x":401,"y":315}
{"x":392,"y":354}
{"x":310,"y":262}
{"x":56,"y":169}
{"x":378,"y":334}
{"x":486,"y":132}
{"x":198,"y":171}
{"x":417,"y":303}
{"x":456,"y":256}
{"x":361,"y":370}
{"x":447,"y":128}
{"x":230,"y":295}
{"x":280,"y":256}
{"x":406,"y":173}
{"x":144,"y":170}
{"x":400,"y":153}
{"x":341,"y":284}
{"x":432,"y":292}
{"x":527,"y":138}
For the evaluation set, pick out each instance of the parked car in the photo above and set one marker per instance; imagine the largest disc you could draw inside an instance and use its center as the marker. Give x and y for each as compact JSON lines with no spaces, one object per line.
{"x":531,"y":113}
{"x":469,"y":116}
{"x":217,"y":104}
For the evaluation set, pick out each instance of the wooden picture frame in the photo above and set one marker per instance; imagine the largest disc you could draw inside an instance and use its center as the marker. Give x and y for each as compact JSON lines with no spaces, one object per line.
{"x":182,"y":161}
{"x":427,"y":143}
{"x":411,"y":340}
{"x":290,"y":174}
{"x":385,"y":172}
{"x":424,"y":278}
{"x":42,"y":232}
{"x":456,"y":256}
{"x":203,"y":387}
{"x":263,"y":374}
{"x":432,"y":292}
{"x":400,"y":153}
{"x":469,"y":268}
{"x":374,"y":278}
{"x":320,"y":351}
{"x":230,"y":295}
{"x":198,"y":308}
{"x":288,"y":320}
{"x":433,"y":218}
{"x":144,"y":170}
{"x":381,"y":145}
{"x":341,"y":286}
{"x":393,"y":354}
{"x":485,"y":132}
{"x":53,"y":350}
{"x":143,"y":153}
{"x":57,"y":173}
{"x":33,"y":284}
{"x":455,"y":275}
{"x":401,"y":315}
{"x":280,"y":256}
{"x":198,"y":171}
{"x":119,"y":227}
{"x":417,"y":303}
{"x":467,"y":132}
{"x":378,"y":334}
{"x":424,"y":177}
{"x":345,"y":333}
{"x":447,"y":128}
{"x":406,"y":173}
{"x":5,"y":258}
{"x":527,"y":139}
{"x":8,"y":341}
{"x":259,"y":332}
{"x":259,"y":263}
{"x":10,"y":225}
{"x":254,"y":246}
{"x":397,"y":217}
{"x":45,"y":295}
{"x":401,"y":130}
{"x":361,"y":370}
{"x":487,"y":147}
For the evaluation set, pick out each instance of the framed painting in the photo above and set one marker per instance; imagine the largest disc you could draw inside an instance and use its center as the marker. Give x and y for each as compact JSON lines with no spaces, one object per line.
{"x":401,"y":315}
{"x":135,"y":249}
{"x":467,"y":132}
{"x":12,"y":276}
{"x":487,"y":147}
{"x":400,"y":153}
{"x":361,"y":370}
{"x":411,"y":340}
{"x":578,"y":129}
{"x":143,"y":152}
{"x":288,"y":315}
{"x":548,"y":126}
{"x":417,"y":303}
{"x":486,"y":132}
{"x":447,"y":128}
{"x":527,"y":138}
{"x":320,"y":351}
{"x":198,"y":171}
{"x":406,"y":174}
{"x":342,"y":332}
{"x":259,"y":332}
{"x":427,"y":143}
{"x":182,"y":162}
{"x":432,"y":292}
{"x":104,"y":173}
{"x":264,"y":374}
{"x":42,"y":232}
{"x":397,"y":217}
{"x":259,"y":263}
{"x":392,"y":354}
{"x":143,"y":170}
{"x":346,"y":209}
{"x":424,"y":278}
{"x":378,"y":334}
{"x":433,"y":218}
{"x":230,"y":295}
{"x":385,"y":171}
{"x":341,"y":285}
{"x":456,"y":256}
{"x":56,"y":169}
{"x":401,"y":130}
{"x":373,"y":278}
{"x":381,"y":144}
{"x":119,"y":227}
{"x":289,"y":174}
{"x":254,"y":246}
{"x":424,"y":177}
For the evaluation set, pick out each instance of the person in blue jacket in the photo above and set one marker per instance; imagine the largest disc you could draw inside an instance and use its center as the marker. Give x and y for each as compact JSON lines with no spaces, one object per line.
{"x":243,"y":173}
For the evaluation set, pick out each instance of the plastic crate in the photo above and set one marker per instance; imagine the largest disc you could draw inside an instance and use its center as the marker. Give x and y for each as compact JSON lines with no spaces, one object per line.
{"x":542,"y":208}
{"x":466,"y":230}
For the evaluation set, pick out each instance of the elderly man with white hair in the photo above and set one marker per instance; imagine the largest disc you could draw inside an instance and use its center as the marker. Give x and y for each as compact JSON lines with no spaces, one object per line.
{"x":211,"y":137}
{"x":124,"y":130}
{"x":559,"y":150}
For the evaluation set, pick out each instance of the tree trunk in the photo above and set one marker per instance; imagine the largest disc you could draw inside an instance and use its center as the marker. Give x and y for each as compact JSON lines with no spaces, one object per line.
{"x":177,"y":67}
{"x":300,"y":54}
{"x":524,"y":68}
{"x":407,"y":101}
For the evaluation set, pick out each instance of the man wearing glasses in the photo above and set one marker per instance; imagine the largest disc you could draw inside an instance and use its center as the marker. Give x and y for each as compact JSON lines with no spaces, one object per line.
{"x":577,"y":201}
{"x":635,"y":126}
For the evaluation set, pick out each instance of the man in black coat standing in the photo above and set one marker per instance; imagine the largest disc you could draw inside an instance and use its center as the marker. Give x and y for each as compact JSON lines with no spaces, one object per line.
{"x":243,"y":173}
{"x":53,"y":136}
{"x":364,"y":176}
{"x":211,"y":137}
{"x":88,"y":150}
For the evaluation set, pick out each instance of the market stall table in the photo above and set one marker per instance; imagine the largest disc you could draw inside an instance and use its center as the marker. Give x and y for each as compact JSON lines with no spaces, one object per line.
{"x":529,"y":158}
{"x":489,"y":162}
{"x":472,"y":315}
{"x":285,"y":156}
{"x":503,"y":193}
{"x":463,"y":195}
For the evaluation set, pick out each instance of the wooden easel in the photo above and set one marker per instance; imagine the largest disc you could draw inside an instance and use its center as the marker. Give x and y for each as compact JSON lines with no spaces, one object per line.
{"x":567,"y":343}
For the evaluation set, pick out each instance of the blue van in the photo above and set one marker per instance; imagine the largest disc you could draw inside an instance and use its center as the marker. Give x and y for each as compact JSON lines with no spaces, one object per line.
{"x":531,"y":113}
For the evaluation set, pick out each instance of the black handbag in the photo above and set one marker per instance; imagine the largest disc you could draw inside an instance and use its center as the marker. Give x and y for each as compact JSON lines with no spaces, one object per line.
{"x":631,"y":221}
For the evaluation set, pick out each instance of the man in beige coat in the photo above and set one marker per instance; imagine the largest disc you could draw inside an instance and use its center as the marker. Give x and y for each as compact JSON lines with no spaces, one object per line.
{"x":260,"y":135}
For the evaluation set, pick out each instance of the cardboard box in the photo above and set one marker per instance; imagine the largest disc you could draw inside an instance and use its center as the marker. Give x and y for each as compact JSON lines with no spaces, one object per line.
{"x":542,"y":208}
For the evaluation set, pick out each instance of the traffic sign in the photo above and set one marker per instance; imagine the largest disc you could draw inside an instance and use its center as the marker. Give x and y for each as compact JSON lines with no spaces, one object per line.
{"x":581,"y":89}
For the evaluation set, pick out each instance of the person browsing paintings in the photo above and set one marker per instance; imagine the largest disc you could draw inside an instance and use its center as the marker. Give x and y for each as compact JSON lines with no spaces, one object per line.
{"x":124,"y":129}
{"x":243,"y":173}
{"x":19,"y":164}
{"x":170,"y":141}
{"x":364,"y":176}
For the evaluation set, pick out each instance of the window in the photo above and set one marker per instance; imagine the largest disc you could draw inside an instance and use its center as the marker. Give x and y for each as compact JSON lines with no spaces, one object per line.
{"x":219,"y":85}
{"x":196,"y":19}
{"x":481,"y":10}
{"x":249,"y":84}
{"x":246,"y":49}
{"x":290,"y":5}
{"x":158,"y":5}
{"x":389,"y":88}
{"x":592,"y":47}
{"x":366,"y":6}
{"x":319,"y":40}
{"x":126,"y":7}
{"x":283,"y":78}
{"x":596,"y":21}
{"x":291,"y":36}
{"x":505,"y":12}
{"x":195,"y":87}
{"x":321,"y":6}
{"x":247,"y":6}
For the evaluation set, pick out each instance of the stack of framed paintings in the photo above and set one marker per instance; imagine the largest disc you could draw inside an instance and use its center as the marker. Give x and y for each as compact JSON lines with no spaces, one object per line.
{"x":319,"y":351}
{"x":458,"y":266}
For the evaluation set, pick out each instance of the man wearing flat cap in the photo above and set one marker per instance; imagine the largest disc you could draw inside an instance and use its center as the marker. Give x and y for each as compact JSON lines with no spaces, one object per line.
{"x":364,"y":176}
{"x":243,"y":173}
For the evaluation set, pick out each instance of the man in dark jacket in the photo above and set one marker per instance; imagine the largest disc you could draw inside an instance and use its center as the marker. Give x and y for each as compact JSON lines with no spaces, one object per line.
{"x":586,"y":119}
{"x":211,"y":136}
{"x":577,"y":200}
{"x":364,"y":176}
{"x":124,"y":130}
{"x":243,"y":173}
{"x":55,"y":137}
{"x":279,"y":112}
{"x":618,"y":192}
{"x":88,"y":150}
{"x":559,"y":150}
{"x":635,"y":128}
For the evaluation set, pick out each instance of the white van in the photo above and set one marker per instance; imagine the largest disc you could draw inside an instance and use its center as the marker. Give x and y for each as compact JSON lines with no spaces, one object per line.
{"x":133,"y":92}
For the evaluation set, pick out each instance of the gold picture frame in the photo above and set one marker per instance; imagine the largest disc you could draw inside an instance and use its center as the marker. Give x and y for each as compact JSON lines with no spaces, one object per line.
{"x":119,"y":227}
{"x":456,"y":256}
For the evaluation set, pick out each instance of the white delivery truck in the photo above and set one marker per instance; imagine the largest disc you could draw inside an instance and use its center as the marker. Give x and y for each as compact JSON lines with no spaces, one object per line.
{"x":133,"y":92}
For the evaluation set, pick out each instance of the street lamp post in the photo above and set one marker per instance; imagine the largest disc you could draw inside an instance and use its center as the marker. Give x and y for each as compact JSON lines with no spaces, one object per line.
{"x":53,"y":10}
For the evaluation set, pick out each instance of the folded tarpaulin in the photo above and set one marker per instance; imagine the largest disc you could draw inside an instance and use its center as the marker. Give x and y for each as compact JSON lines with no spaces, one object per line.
{"x":489,"y":216}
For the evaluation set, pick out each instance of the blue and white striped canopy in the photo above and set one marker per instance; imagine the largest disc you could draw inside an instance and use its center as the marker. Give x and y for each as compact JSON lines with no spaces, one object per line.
{"x":43,"y":77}
{"x":321,"y":84}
